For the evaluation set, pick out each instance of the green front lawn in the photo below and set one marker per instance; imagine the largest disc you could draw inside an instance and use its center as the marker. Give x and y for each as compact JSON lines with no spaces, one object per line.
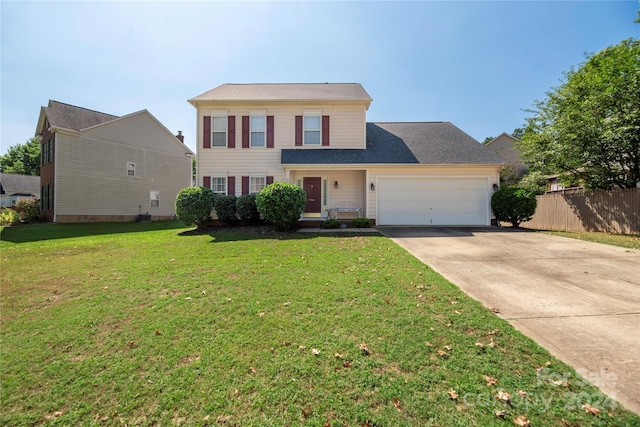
{"x":148,"y":324}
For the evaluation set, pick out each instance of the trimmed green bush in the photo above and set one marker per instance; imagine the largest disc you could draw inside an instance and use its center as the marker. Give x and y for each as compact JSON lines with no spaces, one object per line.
{"x":247,"y":209}
{"x":193,"y":205}
{"x":361,"y":222}
{"x":331,"y":223}
{"x":226,"y":209}
{"x":8,"y":216}
{"x":281,"y":204}
{"x":29,"y":209}
{"x":514,"y":205}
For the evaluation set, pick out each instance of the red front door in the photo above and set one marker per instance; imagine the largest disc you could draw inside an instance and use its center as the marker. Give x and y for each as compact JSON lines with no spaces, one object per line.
{"x":313,"y":188}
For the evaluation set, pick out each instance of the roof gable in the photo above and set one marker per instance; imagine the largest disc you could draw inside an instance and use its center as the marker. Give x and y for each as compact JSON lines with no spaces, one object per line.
{"x":66,"y":116}
{"x":20,"y":183}
{"x":432,"y":143}
{"x":275,"y":92}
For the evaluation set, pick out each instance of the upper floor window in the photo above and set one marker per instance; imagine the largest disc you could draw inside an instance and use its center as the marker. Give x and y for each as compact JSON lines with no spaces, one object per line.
{"x":131,"y":169}
{"x":219,"y":131}
{"x":312,"y":126}
{"x":257,"y":183}
{"x":258,"y":131}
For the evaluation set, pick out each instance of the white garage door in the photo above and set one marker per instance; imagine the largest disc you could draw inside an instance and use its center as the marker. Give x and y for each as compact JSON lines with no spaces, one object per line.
{"x":432,"y":201}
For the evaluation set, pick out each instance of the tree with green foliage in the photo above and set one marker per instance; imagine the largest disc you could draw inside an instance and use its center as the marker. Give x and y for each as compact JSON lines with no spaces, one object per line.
{"x":193,"y":205}
{"x":533,"y":181}
{"x":514,"y":205}
{"x":588,"y":128}
{"x":281,"y":204}
{"x":23,"y":159}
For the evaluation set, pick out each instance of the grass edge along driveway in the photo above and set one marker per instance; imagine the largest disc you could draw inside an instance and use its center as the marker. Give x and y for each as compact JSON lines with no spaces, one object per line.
{"x":144,"y":324}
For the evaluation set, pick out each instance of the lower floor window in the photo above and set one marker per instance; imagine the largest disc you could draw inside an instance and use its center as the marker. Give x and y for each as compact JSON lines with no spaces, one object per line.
{"x":154,"y":199}
{"x":257,"y":184}
{"x":219,"y":185}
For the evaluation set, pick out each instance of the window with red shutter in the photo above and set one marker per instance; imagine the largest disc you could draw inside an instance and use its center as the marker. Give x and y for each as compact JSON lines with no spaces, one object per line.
{"x":298,"y":131}
{"x":206,"y":182}
{"x":206,"y":132}
{"x":231,"y":132}
{"x":231,"y":185}
{"x":245,"y":185}
{"x":245,"y":132}
{"x":270,"y":141}
{"x":325,"y":131}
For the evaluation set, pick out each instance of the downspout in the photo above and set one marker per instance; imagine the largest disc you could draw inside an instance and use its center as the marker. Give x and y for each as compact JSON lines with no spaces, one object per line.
{"x":55,"y":176}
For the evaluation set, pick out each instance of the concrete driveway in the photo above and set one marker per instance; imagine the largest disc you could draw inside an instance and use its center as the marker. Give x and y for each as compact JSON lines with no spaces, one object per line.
{"x":579,"y":300}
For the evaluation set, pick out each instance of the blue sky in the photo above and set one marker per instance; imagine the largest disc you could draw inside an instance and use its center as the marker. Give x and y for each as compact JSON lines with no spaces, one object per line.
{"x":476,"y":64}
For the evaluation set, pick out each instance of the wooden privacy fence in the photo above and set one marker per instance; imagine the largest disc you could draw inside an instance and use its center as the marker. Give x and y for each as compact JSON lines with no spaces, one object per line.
{"x":616,"y":211}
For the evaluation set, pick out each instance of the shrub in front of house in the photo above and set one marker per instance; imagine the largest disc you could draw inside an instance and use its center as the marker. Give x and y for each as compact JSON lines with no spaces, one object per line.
{"x":193,"y":205}
{"x":247,"y":209}
{"x":331,"y":223}
{"x":8,"y":216}
{"x":514,"y":205}
{"x":361,"y":222}
{"x":226,"y":209}
{"x":281,"y":204}
{"x":29,"y":209}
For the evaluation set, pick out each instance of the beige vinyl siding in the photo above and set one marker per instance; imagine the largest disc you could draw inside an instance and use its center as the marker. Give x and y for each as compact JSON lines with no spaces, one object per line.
{"x":91,"y":169}
{"x":492,"y":173}
{"x":347,"y":130}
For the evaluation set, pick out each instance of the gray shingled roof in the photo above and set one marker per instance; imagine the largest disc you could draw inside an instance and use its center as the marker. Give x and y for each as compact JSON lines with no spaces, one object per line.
{"x":12,"y":183}
{"x":286,"y":92}
{"x":67,"y":116}
{"x":434,"y":143}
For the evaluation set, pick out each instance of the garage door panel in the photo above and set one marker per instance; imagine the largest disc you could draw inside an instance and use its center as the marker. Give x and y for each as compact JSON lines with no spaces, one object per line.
{"x":432,"y":201}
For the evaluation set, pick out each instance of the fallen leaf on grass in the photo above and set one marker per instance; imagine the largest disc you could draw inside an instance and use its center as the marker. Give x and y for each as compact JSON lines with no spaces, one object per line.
{"x":521,"y":421}
{"x":261,"y":314}
{"x":253,"y":370}
{"x":306,"y":411}
{"x":500,"y":414}
{"x":590,"y":409}
{"x":131,"y":344}
{"x":337,"y":356}
{"x":452,"y":394}
{"x":523,"y":394}
{"x":447,"y":347}
{"x":364,"y":348}
{"x":315,"y":351}
{"x":347,"y":364}
{"x":479,"y":345}
{"x":158,"y":332}
{"x":443,"y":354}
{"x":495,"y":310}
{"x":286,"y":304}
{"x":396,"y":403}
{"x":504,"y":396}
{"x":490,"y":381}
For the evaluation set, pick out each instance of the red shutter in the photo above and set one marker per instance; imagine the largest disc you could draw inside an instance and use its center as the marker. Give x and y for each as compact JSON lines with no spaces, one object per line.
{"x":325,"y":131}
{"x":231,"y":131}
{"x":206,"y":132}
{"x":298,"y":131}
{"x":245,"y":185}
{"x":269,"y":131}
{"x":269,"y":180}
{"x":206,"y":181}
{"x":231,"y":185}
{"x":245,"y":132}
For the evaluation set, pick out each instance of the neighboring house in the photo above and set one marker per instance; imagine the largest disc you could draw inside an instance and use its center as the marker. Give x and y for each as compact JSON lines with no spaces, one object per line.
{"x":14,"y":187}
{"x":101,"y":167}
{"x":504,"y":146}
{"x":316,"y":136}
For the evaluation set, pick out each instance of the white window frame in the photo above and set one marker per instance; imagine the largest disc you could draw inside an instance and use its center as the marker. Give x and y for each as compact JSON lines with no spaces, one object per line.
{"x":217,"y":192}
{"x":219,"y":114}
{"x":258,"y":115}
{"x":154,"y":196}
{"x":311,"y":113}
{"x":131,"y":167}
{"x":253,"y":179}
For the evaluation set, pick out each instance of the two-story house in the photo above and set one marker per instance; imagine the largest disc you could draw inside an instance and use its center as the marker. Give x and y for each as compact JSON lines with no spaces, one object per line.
{"x":316,"y":135}
{"x":101,"y":167}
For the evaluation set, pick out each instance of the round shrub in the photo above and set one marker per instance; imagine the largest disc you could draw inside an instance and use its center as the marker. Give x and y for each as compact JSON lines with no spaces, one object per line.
{"x":193,"y":205}
{"x":247,"y":209}
{"x":514,"y":205}
{"x":226,"y":209}
{"x":29,"y":209}
{"x":281,"y":204}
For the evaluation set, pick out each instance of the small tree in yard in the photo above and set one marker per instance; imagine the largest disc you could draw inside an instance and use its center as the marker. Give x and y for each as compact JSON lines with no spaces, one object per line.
{"x":247,"y":209}
{"x":29,"y":209}
{"x":514,"y":205}
{"x":226,"y":209}
{"x":193,"y":205}
{"x":281,"y":204}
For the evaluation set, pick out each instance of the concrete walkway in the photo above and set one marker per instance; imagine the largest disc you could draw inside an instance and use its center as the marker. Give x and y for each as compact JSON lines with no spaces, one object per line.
{"x":579,"y":300}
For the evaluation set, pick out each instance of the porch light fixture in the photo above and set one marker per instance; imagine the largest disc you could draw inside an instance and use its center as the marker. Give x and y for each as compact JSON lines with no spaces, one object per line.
{"x":495,"y":187}
{"x":335,"y":184}
{"x":373,"y":187}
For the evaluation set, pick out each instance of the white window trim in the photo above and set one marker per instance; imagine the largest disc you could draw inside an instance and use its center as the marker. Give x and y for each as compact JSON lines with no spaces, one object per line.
{"x":258,"y":113}
{"x":251,"y":177}
{"x":152,"y":199}
{"x":133,"y":169}
{"x":220,"y":114}
{"x":311,"y":113}
{"x":226,"y":184}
